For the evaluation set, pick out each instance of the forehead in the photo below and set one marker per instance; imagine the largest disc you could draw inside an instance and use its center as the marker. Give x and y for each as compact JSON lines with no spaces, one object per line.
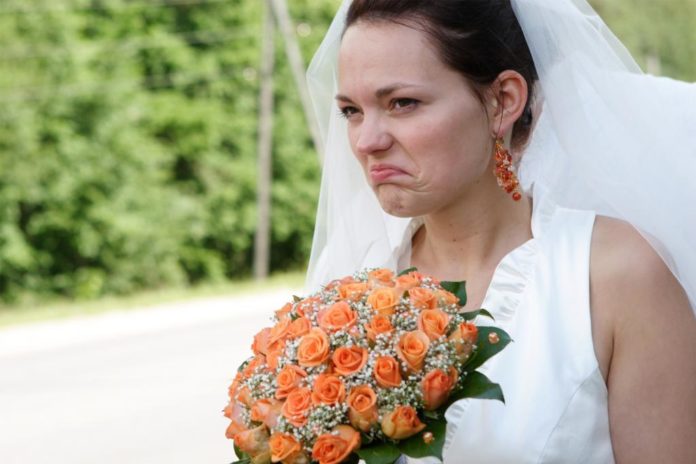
{"x":373,"y":53}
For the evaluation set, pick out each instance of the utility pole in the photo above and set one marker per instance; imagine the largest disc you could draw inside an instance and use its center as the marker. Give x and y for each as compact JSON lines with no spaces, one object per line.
{"x":292,"y":50}
{"x":265,"y":144}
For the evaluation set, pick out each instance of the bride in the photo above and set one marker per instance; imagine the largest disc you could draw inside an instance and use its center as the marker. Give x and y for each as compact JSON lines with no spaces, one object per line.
{"x":584,"y":255}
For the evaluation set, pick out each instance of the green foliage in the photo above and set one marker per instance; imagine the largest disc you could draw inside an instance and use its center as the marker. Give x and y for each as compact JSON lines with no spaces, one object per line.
{"x":128,"y":144}
{"x":381,"y":453}
{"x":458,"y":289}
{"x":491,"y":341}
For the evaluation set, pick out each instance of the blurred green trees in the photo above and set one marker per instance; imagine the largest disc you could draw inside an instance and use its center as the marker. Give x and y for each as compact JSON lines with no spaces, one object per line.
{"x":128,"y":137}
{"x":661,"y":34}
{"x":128,"y":144}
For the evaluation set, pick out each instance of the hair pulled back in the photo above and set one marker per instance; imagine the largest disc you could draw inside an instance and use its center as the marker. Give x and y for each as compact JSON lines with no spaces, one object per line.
{"x":477,"y":38}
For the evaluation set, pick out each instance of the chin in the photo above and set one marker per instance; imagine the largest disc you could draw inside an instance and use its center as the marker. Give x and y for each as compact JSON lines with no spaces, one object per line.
{"x":397,"y":204}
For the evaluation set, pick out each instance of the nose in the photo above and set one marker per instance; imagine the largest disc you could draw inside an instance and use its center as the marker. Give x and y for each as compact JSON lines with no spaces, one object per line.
{"x":372,"y":138}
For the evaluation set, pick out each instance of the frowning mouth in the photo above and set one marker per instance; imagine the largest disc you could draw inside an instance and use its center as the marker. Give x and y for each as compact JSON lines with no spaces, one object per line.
{"x":382,"y":172}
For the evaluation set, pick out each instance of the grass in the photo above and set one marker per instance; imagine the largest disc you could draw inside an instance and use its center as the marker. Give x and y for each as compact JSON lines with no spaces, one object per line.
{"x":64,"y":308}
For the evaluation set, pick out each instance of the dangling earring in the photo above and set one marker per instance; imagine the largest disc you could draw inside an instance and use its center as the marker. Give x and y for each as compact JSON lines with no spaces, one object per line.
{"x":504,"y":172}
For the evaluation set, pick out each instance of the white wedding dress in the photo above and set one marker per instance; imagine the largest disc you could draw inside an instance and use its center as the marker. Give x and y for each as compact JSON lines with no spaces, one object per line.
{"x":555,"y":407}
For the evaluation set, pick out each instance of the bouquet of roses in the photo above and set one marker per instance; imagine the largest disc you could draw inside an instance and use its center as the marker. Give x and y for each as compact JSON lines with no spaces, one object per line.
{"x":363,"y":369}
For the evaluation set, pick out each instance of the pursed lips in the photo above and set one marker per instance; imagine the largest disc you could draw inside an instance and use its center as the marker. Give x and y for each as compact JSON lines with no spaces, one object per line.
{"x":382,"y":172}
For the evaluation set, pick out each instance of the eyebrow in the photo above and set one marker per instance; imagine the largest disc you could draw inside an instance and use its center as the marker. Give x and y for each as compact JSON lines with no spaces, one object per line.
{"x":380,"y":93}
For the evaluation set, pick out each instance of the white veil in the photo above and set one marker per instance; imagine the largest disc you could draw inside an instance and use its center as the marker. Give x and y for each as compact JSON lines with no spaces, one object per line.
{"x":609,"y":138}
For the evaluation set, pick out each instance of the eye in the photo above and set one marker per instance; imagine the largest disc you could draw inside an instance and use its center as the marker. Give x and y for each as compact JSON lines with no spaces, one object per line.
{"x":348,"y":111}
{"x":403,"y":104}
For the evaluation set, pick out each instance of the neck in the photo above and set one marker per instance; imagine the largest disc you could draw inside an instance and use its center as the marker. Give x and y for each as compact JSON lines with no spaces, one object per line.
{"x":472,"y":234}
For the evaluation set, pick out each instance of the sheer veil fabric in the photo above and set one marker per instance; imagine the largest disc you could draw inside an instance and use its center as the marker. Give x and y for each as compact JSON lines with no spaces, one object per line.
{"x":607,"y":138}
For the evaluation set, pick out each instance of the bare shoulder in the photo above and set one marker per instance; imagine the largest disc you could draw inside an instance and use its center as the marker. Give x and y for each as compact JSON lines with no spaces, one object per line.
{"x":626,"y":268}
{"x":641,"y":317}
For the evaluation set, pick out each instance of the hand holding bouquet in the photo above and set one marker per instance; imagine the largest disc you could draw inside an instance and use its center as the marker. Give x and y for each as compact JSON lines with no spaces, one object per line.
{"x":364,"y":368}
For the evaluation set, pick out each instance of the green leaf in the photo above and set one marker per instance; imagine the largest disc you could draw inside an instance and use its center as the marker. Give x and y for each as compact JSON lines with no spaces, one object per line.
{"x":406,"y":271}
{"x":243,"y":365}
{"x":471,"y":315}
{"x":296,"y":299}
{"x":458,"y":288}
{"x":415,"y":447}
{"x":243,"y":457}
{"x":477,"y":385}
{"x":380,"y":453}
{"x":352,"y":459}
{"x":243,"y":461}
{"x":433,"y":415}
{"x":485,"y":349}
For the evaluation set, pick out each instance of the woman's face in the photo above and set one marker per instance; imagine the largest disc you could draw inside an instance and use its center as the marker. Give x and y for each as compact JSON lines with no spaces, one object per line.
{"x":417,"y":128}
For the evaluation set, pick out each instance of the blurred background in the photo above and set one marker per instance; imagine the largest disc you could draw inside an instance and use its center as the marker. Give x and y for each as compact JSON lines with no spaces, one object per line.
{"x":156,"y":167}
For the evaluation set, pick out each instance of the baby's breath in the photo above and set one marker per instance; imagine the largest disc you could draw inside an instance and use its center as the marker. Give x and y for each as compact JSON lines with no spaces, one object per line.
{"x":324,"y":417}
{"x":406,"y":321}
{"x":407,"y":394}
{"x":262,"y":385}
{"x":340,"y":338}
{"x":441,"y":355}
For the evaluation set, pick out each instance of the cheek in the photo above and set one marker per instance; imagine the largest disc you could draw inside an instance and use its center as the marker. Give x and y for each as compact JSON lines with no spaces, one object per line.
{"x":459,"y":150}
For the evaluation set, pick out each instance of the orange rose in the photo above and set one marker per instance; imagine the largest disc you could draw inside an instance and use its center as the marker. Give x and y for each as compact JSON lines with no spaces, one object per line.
{"x":349,"y":359}
{"x":407,"y":281}
{"x":352,"y":291}
{"x":331,"y":285}
{"x":338,"y":316}
{"x":234,"y":411}
{"x":328,"y":389}
{"x":283,"y":312}
{"x":275,"y":351}
{"x":266,"y":411}
{"x":464,"y":338}
{"x":437,"y":386}
{"x":334,"y":447}
{"x":335,"y":283}
{"x":362,"y":407}
{"x":256,"y":362}
{"x":379,"y":324}
{"x":244,"y":396}
{"x":412,"y":348}
{"x":433,"y":322}
{"x":401,"y":423}
{"x":261,"y":341}
{"x":279,"y":331}
{"x":469,"y":331}
{"x":285,"y":448}
{"x":288,"y":379}
{"x":422,"y":298}
{"x":383,"y":300}
{"x":446,"y":298}
{"x":234,"y":386}
{"x":313,"y":348}
{"x":387,"y":372}
{"x":299,"y":327}
{"x":254,"y":442}
{"x":296,"y":406}
{"x":380,"y":278}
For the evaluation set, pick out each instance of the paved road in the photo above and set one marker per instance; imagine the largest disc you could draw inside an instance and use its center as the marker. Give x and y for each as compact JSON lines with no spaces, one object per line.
{"x":131,"y":387}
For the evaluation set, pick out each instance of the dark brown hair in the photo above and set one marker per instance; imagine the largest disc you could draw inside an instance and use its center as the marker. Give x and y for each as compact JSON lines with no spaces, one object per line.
{"x":477,"y":38}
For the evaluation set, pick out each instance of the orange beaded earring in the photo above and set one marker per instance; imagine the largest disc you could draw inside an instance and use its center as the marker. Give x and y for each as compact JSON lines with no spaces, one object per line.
{"x":504,"y":172}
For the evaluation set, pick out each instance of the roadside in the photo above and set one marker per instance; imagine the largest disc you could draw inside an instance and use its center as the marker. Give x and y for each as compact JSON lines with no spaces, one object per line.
{"x":31,"y":312}
{"x":113,"y":324}
{"x":146,"y":385}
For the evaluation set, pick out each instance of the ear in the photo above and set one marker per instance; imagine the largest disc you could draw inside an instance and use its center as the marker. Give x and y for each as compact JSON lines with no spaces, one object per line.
{"x":506,"y":98}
